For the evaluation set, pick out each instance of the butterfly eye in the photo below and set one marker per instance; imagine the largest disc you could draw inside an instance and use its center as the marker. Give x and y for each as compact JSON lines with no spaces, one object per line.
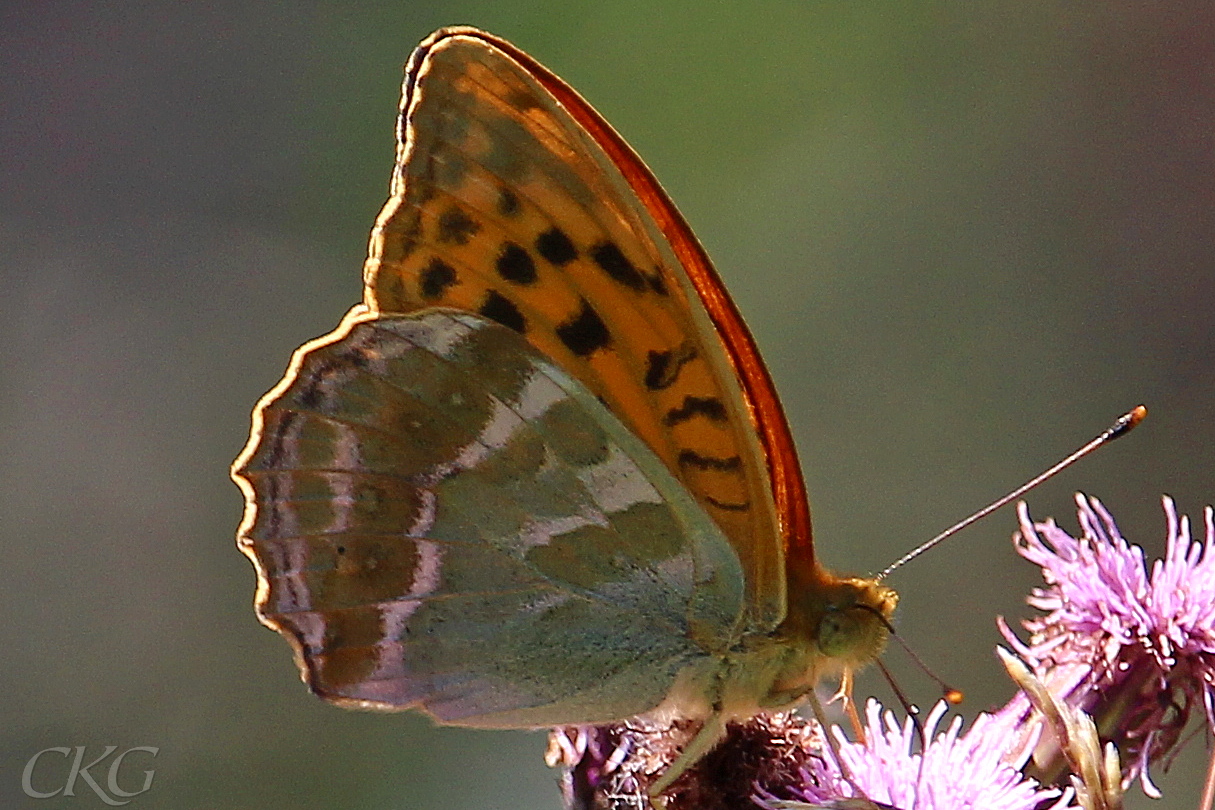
{"x":855,"y":631}
{"x":841,"y":631}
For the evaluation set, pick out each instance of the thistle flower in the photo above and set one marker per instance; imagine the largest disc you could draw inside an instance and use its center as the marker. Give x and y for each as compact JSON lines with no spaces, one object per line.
{"x":781,"y":761}
{"x":1135,"y":651}
{"x":1096,"y":772}
{"x":1120,"y":656}
{"x":972,"y":769}
{"x":611,"y":767}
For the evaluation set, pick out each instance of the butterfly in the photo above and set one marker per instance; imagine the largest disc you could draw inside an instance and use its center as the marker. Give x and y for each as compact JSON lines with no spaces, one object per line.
{"x":540,"y":476}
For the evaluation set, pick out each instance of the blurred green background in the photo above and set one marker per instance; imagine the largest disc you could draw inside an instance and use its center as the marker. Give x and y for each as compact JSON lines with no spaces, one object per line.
{"x":966,"y":235}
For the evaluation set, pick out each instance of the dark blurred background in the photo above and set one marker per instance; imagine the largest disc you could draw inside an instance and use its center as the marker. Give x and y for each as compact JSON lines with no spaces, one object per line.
{"x":966,"y":235}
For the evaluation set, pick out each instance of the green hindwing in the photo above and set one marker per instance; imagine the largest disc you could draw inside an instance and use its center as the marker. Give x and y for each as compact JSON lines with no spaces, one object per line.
{"x":442,"y":519}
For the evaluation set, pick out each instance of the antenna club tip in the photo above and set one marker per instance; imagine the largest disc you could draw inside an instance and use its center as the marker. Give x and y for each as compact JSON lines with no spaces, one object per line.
{"x":1125,"y":424}
{"x":954,"y":696}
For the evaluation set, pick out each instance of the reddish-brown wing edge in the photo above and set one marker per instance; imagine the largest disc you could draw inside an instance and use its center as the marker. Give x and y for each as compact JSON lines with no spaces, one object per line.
{"x":759,"y":393}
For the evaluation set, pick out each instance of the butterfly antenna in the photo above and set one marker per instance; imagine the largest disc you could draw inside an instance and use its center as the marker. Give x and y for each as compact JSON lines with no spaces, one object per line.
{"x":913,"y":711}
{"x":913,"y":714}
{"x":1121,"y":427}
{"x":952,"y":696}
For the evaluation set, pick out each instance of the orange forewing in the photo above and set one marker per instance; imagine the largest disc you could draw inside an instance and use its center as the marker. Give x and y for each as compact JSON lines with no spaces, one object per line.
{"x":788,"y":485}
{"x":447,"y":169}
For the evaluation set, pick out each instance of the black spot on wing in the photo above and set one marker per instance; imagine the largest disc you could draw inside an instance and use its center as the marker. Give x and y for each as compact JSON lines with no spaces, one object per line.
{"x":556,"y":247}
{"x":311,"y":394}
{"x":406,"y":234}
{"x":656,"y":282}
{"x":611,"y":260}
{"x":435,"y":278}
{"x":358,"y":356}
{"x":508,"y":202}
{"x":662,"y":368}
{"x":584,"y":333}
{"x":456,"y":227}
{"x":501,"y":309}
{"x":708,"y":407}
{"x":523,"y":100}
{"x":690,"y":458}
{"x":657,"y":370}
{"x":515,"y":264}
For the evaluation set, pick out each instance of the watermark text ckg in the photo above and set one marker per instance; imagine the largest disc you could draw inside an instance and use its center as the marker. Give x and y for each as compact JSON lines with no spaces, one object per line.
{"x":46,"y":776}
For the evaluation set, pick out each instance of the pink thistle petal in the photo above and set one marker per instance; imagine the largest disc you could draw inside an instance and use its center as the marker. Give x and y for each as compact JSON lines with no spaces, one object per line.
{"x":1136,"y":650}
{"x":958,"y":770}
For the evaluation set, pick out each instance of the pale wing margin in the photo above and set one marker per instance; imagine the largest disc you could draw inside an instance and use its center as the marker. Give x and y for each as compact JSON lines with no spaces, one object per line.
{"x":443,"y":520}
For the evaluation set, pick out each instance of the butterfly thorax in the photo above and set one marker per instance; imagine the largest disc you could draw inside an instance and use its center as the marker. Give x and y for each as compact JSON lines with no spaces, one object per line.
{"x":837,"y":626}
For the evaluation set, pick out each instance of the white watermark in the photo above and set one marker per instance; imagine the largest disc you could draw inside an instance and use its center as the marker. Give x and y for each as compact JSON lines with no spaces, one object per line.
{"x":50,"y":774}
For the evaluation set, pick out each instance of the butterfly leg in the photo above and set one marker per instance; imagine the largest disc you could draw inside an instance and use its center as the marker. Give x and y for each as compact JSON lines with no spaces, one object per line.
{"x":710,"y":734}
{"x":817,"y":707}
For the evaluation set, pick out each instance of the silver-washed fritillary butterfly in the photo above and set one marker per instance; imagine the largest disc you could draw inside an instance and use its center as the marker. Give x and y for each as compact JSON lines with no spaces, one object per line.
{"x":540,"y":476}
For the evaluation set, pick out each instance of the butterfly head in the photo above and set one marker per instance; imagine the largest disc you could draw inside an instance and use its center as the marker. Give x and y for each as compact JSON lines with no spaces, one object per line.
{"x":846,"y":619}
{"x":856,"y":624}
